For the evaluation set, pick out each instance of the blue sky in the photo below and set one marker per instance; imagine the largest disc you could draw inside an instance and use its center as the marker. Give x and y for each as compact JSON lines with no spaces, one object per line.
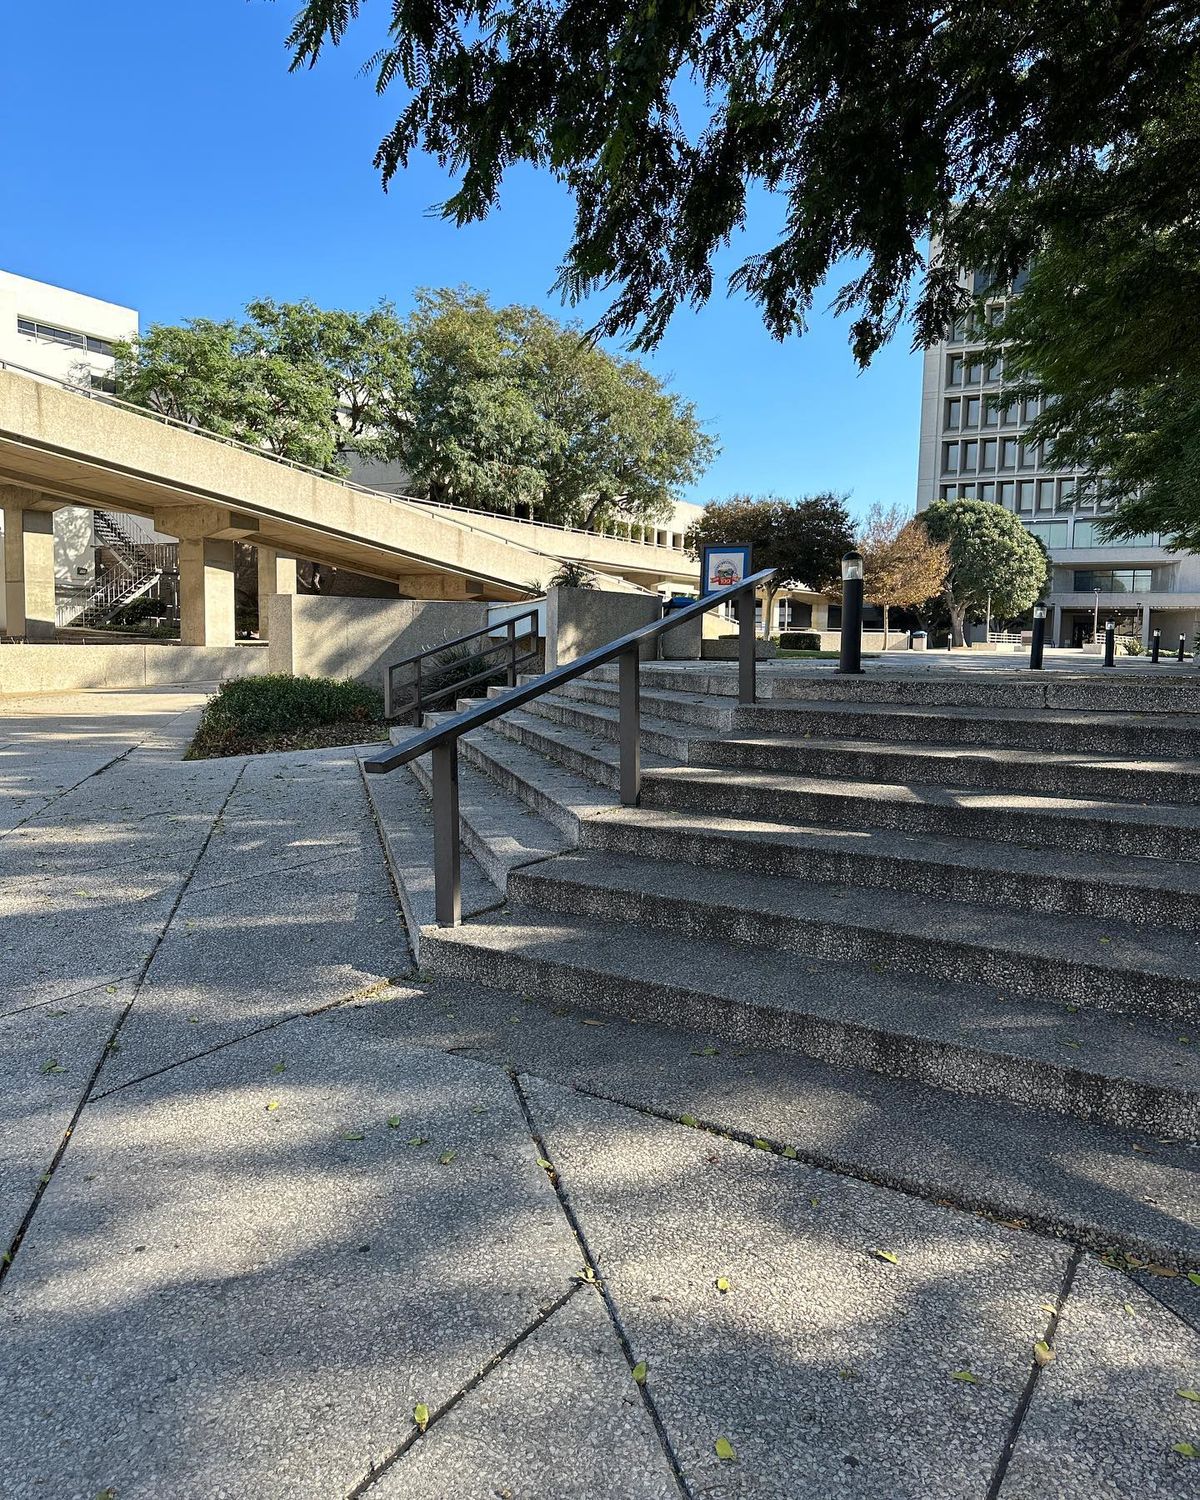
{"x":161,"y":155}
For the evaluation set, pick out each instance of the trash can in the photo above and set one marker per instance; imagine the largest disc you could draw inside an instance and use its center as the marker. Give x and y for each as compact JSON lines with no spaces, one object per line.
{"x":918,"y":640}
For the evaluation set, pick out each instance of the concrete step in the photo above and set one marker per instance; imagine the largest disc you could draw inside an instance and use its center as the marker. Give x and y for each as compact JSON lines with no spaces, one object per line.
{"x":1145,"y":892}
{"x":560,"y":796}
{"x":1134,"y":736}
{"x":1169,"y":832}
{"x":586,"y":752}
{"x":1109,"y":966}
{"x":1055,"y":773}
{"x":1126,"y":1072}
{"x":502,"y":833}
{"x":1126,"y":689}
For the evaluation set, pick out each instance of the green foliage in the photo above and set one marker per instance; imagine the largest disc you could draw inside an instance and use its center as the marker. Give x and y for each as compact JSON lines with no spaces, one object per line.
{"x":800,"y":640}
{"x":1109,"y":322}
{"x":512,"y":410}
{"x":255,"y":713}
{"x":991,"y":555}
{"x":291,"y":378}
{"x":872,"y":125}
{"x":572,"y":575}
{"x":804,"y":538}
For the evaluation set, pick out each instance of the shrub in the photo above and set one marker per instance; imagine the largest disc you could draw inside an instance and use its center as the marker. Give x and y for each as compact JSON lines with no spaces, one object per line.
{"x":1132,"y":646}
{"x":252,"y":713}
{"x":800,"y":640}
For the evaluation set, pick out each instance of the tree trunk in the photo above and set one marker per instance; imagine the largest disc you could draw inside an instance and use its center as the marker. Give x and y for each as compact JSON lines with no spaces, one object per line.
{"x":769,"y":610}
{"x":958,"y":619}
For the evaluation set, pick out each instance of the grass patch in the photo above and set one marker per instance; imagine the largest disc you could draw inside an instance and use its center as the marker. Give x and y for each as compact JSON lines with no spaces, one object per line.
{"x":279,"y":712}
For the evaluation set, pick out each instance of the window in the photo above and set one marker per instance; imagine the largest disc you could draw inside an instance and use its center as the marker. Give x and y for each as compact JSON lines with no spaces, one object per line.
{"x":1024,"y":494}
{"x":995,"y":314}
{"x":1045,"y":494}
{"x":1029,"y":456}
{"x":794,"y":614}
{"x":46,"y":333}
{"x":954,"y":370}
{"x":991,"y":447}
{"x":1008,"y":415}
{"x":835,"y":617}
{"x":1052,"y":533}
{"x":993,"y":370}
{"x":1113,"y":580}
{"x":1008,"y":453}
{"x":1029,"y":409}
{"x":1087,"y":534}
{"x":987,"y":492}
{"x":949,"y":458}
{"x":969,"y":461}
{"x":1066,"y":494}
{"x":953,"y":413}
{"x":1006,"y":493}
{"x":966,"y":492}
{"x":972,"y":417}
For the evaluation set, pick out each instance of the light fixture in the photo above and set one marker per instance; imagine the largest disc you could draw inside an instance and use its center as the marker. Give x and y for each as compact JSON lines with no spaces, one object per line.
{"x":1039,"y":611}
{"x":852,"y":567}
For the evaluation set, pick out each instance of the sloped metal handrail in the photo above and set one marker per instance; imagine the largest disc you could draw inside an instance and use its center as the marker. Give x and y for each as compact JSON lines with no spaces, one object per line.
{"x":425,"y":691}
{"x":441,"y":742}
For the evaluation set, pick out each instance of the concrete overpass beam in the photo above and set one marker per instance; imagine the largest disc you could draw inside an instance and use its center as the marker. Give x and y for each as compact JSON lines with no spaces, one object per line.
{"x":215,"y":522}
{"x":28,"y":570}
{"x":206,"y":591}
{"x":276,"y":575}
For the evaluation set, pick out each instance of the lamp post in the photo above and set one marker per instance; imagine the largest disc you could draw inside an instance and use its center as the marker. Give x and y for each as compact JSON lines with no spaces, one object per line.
{"x":1110,"y":641}
{"x":850,"y":655}
{"x":1155,"y":645}
{"x":1180,"y":656}
{"x":1037,"y":643}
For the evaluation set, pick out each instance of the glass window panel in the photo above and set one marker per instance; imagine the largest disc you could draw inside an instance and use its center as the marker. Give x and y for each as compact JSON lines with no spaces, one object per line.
{"x":953,"y":412}
{"x":972,"y":412}
{"x":1008,"y":453}
{"x":990,"y":453}
{"x":1007,"y":493}
{"x":954,"y":370}
{"x":1025,"y":494}
{"x":1045,"y":494}
{"x":987,"y":492}
{"x":949,"y":458}
{"x":969,"y":461}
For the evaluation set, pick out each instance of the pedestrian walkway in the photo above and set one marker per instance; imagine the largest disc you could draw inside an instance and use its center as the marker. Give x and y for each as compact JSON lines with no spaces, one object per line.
{"x":285,"y":1217}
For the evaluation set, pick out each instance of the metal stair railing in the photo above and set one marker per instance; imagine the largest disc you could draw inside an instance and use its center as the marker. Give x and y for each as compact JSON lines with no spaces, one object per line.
{"x":425,"y":689}
{"x":442,"y":740}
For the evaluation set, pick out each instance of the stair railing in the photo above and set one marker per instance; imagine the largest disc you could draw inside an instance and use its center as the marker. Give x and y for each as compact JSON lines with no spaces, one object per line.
{"x":425,"y":689}
{"x":441,"y":741}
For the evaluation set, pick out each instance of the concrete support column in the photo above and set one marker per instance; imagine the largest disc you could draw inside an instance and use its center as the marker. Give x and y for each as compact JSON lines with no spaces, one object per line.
{"x":28,"y":573}
{"x":276,"y":575}
{"x":206,"y":592}
{"x":1054,"y":625}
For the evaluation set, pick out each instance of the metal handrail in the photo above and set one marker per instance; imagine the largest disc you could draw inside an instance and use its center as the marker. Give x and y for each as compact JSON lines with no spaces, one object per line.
{"x":424,"y":697}
{"x":442,"y":740}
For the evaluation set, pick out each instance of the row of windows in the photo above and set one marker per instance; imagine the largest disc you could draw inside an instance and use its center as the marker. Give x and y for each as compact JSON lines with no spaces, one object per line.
{"x":987,"y":411}
{"x":46,"y":333}
{"x":1026,"y":496}
{"x":979,"y":367}
{"x":986,"y":455}
{"x":1113,"y":580}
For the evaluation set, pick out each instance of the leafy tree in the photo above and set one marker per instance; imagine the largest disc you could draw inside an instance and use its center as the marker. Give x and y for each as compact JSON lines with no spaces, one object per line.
{"x":805,"y":539}
{"x":292,"y":378}
{"x":571,"y":575}
{"x":991,"y":555}
{"x":1109,"y":322}
{"x":876,"y":124}
{"x":511,"y":408}
{"x":902,"y":564}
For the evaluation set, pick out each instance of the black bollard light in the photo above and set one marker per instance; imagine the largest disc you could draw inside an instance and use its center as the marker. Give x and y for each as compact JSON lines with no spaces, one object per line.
{"x":1110,"y":641}
{"x":1156,"y":642}
{"x":1180,"y":656}
{"x":1038,"y":642}
{"x":850,"y":655}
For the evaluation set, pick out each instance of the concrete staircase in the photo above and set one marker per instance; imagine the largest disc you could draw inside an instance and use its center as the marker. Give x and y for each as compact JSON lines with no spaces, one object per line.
{"x":979,"y":887}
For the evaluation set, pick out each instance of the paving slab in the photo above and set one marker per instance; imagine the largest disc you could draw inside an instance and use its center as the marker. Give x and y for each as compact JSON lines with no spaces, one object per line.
{"x":238,"y":957}
{"x":828,"y":1369}
{"x":1106,"y":1415}
{"x":558,"y":1418}
{"x":1092,"y":1184}
{"x":221,"y":1298}
{"x":47,"y":1057}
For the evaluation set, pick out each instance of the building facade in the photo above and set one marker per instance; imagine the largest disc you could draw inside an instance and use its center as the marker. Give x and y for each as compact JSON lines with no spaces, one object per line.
{"x":52,"y":333}
{"x":973,"y":447}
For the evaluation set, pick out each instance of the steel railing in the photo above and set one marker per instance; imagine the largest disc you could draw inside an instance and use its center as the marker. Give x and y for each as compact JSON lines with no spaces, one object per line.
{"x":426,"y":691}
{"x":441,"y":742}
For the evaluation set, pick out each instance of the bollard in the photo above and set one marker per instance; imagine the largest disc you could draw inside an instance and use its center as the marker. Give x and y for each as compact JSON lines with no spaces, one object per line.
{"x":1180,"y":656}
{"x":1038,"y":641}
{"x":850,"y":654}
{"x":1110,"y":641}
{"x":1156,"y":642}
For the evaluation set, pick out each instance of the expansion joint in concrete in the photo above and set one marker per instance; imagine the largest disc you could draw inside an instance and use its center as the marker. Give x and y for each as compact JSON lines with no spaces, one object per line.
{"x":591,"y":1276}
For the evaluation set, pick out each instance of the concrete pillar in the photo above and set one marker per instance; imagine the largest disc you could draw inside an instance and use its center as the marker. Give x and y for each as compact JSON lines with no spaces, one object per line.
{"x":206,"y":592}
{"x":1053,"y":626}
{"x":1146,"y":626}
{"x":28,"y":573}
{"x":276,"y":575}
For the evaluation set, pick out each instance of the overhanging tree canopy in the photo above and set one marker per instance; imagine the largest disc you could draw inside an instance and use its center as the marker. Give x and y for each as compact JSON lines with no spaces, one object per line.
{"x":878,"y":123}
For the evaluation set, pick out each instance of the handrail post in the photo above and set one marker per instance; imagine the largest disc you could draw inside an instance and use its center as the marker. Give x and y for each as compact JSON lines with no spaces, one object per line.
{"x":447,"y":872}
{"x":512,"y":652}
{"x":629,"y":725}
{"x":746,"y":662}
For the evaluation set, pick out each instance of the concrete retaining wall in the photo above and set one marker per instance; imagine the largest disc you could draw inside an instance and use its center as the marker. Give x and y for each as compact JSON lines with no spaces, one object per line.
{"x":63,"y":669}
{"x":580,"y":620}
{"x":315,"y":635}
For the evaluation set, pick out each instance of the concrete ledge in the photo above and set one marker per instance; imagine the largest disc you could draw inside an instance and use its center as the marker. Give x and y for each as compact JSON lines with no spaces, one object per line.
{"x":60,"y":669}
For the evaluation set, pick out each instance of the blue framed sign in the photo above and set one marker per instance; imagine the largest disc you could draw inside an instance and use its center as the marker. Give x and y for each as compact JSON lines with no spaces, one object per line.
{"x":724,"y":565}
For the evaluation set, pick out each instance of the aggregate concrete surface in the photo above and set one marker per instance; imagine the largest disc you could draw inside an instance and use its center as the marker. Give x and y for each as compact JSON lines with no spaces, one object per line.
{"x":278,"y":1220}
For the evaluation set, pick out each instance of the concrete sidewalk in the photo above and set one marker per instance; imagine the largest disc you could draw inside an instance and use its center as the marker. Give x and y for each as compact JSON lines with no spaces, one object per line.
{"x":284,"y":1219}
